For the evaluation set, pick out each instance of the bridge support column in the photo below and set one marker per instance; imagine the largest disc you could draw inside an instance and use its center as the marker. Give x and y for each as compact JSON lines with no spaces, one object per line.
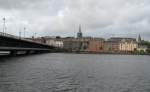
{"x":28,"y":52}
{"x":13,"y":53}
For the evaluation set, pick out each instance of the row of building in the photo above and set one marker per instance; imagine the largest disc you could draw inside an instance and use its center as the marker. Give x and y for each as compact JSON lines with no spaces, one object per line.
{"x":93,"y":45}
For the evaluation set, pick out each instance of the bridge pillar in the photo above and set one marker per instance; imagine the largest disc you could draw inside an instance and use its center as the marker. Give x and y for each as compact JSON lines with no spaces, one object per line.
{"x":13,"y":53}
{"x":28,"y":52}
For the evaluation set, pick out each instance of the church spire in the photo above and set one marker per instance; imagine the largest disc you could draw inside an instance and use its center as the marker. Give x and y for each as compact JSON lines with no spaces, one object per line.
{"x":79,"y":34}
{"x":139,"y":38}
{"x":80,"y":29}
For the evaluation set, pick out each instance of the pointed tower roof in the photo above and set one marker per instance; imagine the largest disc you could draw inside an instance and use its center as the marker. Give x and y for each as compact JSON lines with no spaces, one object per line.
{"x":80,"y":29}
{"x":79,"y":34}
{"x":139,"y":38}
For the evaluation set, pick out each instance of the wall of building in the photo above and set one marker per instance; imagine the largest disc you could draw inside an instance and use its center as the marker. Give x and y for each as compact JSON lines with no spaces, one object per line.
{"x":89,"y":44}
{"x":111,"y":46}
{"x":75,"y":44}
{"x":128,"y":46}
{"x":55,"y":42}
{"x":96,"y":46}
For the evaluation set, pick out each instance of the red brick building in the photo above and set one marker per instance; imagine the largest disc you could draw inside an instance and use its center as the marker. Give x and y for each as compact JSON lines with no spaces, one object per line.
{"x":96,"y":45}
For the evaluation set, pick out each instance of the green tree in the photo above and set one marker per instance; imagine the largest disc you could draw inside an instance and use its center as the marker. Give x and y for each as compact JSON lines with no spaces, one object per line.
{"x":146,"y":43}
{"x":148,"y":51}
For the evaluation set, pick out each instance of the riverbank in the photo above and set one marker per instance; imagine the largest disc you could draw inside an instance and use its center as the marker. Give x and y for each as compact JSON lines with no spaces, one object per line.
{"x":78,"y":52}
{"x":111,"y":53}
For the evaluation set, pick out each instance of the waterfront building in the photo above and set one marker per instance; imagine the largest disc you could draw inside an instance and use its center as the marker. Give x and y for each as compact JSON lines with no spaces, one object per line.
{"x":55,"y":42}
{"x":111,"y":46}
{"x":118,"y":44}
{"x":128,"y":46}
{"x":75,"y":44}
{"x":85,"y":44}
{"x":142,"y":48}
{"x":96,"y":45}
{"x":70,"y":44}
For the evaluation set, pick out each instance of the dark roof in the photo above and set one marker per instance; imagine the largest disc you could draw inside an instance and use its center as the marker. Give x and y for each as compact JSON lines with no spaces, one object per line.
{"x":120,"y":39}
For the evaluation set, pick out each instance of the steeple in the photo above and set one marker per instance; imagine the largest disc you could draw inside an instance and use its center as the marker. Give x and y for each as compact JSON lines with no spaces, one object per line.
{"x":139,"y":38}
{"x":80,"y":29}
{"x":79,"y":34}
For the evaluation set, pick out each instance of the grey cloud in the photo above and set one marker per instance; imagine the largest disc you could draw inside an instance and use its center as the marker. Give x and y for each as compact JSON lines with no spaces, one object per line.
{"x":9,"y":4}
{"x":62,"y":17}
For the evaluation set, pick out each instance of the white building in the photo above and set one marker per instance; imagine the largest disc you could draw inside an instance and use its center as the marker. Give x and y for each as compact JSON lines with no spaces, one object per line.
{"x":128,"y":45}
{"x":55,"y":42}
{"x":142,"y":48}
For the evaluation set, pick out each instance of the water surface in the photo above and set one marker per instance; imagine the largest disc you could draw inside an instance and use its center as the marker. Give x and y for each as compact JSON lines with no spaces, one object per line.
{"x":75,"y":73}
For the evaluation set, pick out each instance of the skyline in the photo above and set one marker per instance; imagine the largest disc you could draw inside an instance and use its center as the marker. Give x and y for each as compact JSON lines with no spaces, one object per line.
{"x":99,"y":18}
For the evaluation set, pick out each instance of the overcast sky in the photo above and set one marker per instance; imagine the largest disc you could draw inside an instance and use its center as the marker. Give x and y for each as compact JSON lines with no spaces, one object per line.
{"x":100,"y":18}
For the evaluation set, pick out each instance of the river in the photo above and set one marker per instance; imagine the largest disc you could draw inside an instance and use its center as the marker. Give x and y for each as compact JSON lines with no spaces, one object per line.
{"x":58,"y":72}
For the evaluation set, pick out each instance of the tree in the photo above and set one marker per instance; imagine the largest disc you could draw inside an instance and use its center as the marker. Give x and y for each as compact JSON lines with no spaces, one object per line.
{"x":142,"y":52}
{"x":148,"y":51}
{"x":146,"y":43}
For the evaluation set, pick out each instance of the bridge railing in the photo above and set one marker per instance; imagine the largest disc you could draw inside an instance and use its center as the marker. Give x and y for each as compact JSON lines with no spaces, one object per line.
{"x":17,"y":37}
{"x":8,"y":35}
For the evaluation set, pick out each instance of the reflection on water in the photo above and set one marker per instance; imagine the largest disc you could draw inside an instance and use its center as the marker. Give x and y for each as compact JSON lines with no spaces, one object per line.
{"x":75,"y":73}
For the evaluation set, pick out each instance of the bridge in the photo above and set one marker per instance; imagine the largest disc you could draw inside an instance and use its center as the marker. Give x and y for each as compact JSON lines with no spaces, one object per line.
{"x":17,"y":45}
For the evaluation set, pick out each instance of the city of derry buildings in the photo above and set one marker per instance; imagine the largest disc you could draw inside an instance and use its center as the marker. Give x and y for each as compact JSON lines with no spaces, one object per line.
{"x":84,"y":44}
{"x":95,"y":45}
{"x":121,"y":45}
{"x":128,"y":46}
{"x":92,"y":44}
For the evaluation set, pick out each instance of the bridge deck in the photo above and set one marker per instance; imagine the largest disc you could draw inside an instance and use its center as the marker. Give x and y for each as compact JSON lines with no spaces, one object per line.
{"x":13,"y":43}
{"x":22,"y":49}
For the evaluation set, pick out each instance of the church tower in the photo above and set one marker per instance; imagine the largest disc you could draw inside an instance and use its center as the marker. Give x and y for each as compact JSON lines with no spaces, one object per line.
{"x":79,"y":34}
{"x":139,"y":39}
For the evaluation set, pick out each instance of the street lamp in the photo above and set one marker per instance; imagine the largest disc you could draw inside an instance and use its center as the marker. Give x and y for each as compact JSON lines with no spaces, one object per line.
{"x":19,"y":34}
{"x":24,"y":32}
{"x":35,"y":35}
{"x":4,"y":28}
